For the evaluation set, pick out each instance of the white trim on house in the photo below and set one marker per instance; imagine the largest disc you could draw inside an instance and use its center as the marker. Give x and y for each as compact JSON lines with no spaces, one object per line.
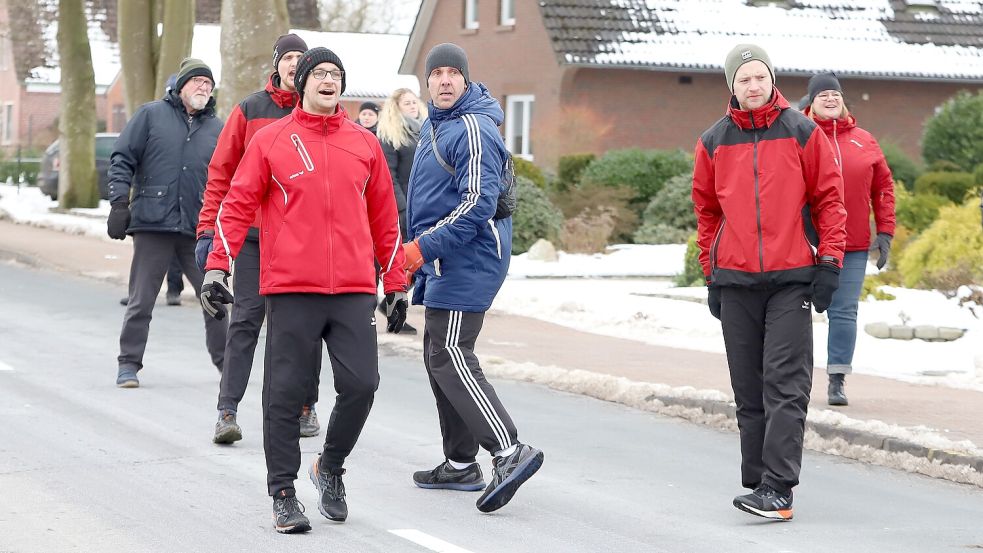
{"x":519,"y":129}
{"x":471,"y":15}
{"x":506,"y":13}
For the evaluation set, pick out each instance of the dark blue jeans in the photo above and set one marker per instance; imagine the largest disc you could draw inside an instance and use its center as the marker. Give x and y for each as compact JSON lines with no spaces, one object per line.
{"x":842,"y":314}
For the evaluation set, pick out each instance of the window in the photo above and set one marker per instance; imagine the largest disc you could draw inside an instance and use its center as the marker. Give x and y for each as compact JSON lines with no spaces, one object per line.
{"x":470,"y":14}
{"x":119,"y":117}
{"x":8,"y":122}
{"x":507,"y":13}
{"x":518,"y":115}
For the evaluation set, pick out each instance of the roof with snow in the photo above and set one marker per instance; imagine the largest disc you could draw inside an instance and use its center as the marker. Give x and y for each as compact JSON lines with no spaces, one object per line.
{"x":894,"y":39}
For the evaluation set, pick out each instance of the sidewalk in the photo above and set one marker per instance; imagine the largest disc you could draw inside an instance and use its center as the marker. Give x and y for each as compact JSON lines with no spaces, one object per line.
{"x":937,"y":421}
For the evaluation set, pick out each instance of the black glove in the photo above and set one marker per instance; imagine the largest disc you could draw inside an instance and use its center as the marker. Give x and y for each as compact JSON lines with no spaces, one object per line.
{"x":395,"y":304}
{"x":713,"y":301}
{"x":824,"y":283}
{"x":883,"y":248}
{"x":215,"y":292}
{"x":202,"y":249}
{"x":119,"y":220}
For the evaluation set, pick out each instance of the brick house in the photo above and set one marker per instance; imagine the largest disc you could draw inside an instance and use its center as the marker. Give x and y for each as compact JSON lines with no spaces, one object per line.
{"x":592,"y":75}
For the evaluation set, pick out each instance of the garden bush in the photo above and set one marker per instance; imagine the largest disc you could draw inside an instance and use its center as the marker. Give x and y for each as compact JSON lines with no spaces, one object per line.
{"x":692,"y":274}
{"x":948,"y":254}
{"x":570,"y":168}
{"x":951,"y":185}
{"x":643,"y":171}
{"x":588,"y":232}
{"x":670,"y":210}
{"x":955,"y":133}
{"x":576,"y":200}
{"x":526,"y":168}
{"x":903,"y":168}
{"x":535,"y":216}
{"x":917,"y":211}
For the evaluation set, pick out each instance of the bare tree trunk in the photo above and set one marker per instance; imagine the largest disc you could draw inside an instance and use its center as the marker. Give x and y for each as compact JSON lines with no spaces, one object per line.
{"x":175,"y":45}
{"x":249,"y":30}
{"x":77,"y":185}
{"x":137,"y":38}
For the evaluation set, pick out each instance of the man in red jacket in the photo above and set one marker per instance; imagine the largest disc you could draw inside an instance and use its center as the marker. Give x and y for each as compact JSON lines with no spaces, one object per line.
{"x":256,"y":111}
{"x":329,"y":213}
{"x":760,"y":173}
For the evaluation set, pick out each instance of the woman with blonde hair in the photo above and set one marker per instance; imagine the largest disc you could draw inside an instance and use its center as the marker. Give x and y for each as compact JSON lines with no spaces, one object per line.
{"x":867,"y":184}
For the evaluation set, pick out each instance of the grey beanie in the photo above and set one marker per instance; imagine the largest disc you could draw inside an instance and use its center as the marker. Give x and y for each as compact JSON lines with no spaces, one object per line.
{"x":823,"y":81}
{"x":448,"y":55}
{"x":191,"y":67}
{"x":741,"y":54}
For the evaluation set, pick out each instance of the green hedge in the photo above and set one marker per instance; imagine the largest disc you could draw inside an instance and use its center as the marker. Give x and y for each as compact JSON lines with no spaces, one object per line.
{"x":644,"y":171}
{"x":535,"y":216}
{"x":948,"y":254}
{"x":571,"y":168}
{"x":955,"y":133}
{"x":917,"y":211}
{"x":692,"y":274}
{"x":903,"y":168}
{"x":28,"y":169}
{"x":526,"y":168}
{"x":950,"y":185}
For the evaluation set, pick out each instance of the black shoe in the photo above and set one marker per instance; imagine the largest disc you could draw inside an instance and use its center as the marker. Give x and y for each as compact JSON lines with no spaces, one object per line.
{"x":408,"y":329}
{"x":835,"y":394}
{"x":331,"y":491}
{"x":508,"y":474}
{"x":125,"y":300}
{"x":173,"y":298}
{"x":309,"y":426}
{"x":226,"y":429}
{"x":765,"y":502}
{"x":288,"y":516}
{"x":446,"y":477}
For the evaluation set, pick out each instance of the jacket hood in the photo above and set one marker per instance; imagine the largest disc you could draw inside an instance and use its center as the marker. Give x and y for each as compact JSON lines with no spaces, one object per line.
{"x":281,"y":96}
{"x":842,"y":124}
{"x":761,"y":117}
{"x":476,"y":99}
{"x":175,"y":100}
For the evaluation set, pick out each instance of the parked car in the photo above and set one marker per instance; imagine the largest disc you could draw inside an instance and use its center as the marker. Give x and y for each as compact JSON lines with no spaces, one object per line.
{"x":48,"y":176}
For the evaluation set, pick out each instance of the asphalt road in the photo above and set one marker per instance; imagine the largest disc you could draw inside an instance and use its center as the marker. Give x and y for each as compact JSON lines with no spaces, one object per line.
{"x":85,"y":466}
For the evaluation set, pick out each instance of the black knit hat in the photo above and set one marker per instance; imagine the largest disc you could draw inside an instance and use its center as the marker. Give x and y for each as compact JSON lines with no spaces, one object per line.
{"x":311,"y":59}
{"x":287,"y":43}
{"x":448,"y":55}
{"x":369,"y":105}
{"x":823,"y":81}
{"x":191,"y":67}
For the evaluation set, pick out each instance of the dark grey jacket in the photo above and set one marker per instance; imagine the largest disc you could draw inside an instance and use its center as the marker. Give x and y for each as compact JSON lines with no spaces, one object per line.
{"x":163,"y":157}
{"x":400,"y":163}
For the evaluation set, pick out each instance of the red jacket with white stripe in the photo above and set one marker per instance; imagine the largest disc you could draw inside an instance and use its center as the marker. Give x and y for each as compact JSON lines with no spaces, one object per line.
{"x":328,"y":208}
{"x":755,"y":172}
{"x":867,"y":180}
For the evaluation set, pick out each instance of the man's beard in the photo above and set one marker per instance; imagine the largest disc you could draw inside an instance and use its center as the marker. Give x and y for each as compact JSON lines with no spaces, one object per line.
{"x":198,"y":102}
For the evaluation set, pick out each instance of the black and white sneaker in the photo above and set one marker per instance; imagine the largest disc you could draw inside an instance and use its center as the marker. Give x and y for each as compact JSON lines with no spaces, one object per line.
{"x":288,"y":516}
{"x":509,"y":473}
{"x":765,"y":502}
{"x":331,"y":491}
{"x":446,"y":477}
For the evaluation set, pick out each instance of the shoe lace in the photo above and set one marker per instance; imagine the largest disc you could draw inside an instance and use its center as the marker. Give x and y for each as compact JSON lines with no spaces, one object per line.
{"x":334,"y":487}
{"x":288,"y":505}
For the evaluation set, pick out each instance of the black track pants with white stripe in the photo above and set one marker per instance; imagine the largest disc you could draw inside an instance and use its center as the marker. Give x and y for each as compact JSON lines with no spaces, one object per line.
{"x":467,"y":406}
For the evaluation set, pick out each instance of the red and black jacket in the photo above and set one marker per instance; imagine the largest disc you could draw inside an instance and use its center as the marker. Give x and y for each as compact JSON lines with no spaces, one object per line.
{"x":256,"y":111}
{"x":755,"y":172}
{"x":867,"y":180}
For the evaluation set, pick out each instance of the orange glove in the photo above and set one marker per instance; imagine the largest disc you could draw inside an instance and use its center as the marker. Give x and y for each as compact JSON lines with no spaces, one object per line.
{"x":414,"y":258}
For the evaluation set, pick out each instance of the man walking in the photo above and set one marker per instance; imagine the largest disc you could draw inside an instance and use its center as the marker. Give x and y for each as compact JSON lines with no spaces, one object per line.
{"x":328,"y":214}
{"x":256,"y":111}
{"x":162,"y":155}
{"x":460,"y":254}
{"x":762,"y":172}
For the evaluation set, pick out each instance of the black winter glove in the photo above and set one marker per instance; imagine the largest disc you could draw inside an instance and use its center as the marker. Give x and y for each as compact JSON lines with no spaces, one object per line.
{"x":713,"y":301}
{"x":215,"y":292}
{"x":824,"y":283}
{"x":883,"y":244}
{"x":119,"y":220}
{"x":202,"y":248}
{"x":396,"y":305}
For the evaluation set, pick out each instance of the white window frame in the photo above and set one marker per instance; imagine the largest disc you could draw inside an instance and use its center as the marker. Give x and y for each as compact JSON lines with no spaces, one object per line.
{"x":8,"y":130}
{"x":504,"y":19}
{"x":471,"y":14}
{"x":528,"y":100}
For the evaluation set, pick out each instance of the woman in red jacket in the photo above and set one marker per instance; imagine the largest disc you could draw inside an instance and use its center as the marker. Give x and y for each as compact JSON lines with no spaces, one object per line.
{"x":867,"y":184}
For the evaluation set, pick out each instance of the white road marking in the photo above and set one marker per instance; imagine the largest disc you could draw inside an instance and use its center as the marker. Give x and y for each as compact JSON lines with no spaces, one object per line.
{"x":428,"y":541}
{"x":5,"y":367}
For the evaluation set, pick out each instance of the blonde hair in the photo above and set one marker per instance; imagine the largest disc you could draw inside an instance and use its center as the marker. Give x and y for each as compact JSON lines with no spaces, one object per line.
{"x":392,"y":128}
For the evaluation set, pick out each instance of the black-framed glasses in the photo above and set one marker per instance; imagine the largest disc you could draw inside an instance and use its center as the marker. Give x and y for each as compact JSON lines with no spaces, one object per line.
{"x":321,"y":74}
{"x":202,"y":81}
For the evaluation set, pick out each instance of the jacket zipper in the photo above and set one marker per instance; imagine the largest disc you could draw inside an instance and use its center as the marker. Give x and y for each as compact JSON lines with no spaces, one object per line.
{"x":302,"y":152}
{"x":757,"y":199}
{"x":716,"y":243}
{"x":282,"y":189}
{"x":328,"y":208}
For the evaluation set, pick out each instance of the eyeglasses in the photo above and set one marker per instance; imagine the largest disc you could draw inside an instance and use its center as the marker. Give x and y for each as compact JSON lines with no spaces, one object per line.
{"x":321,"y":74}
{"x":202,"y":82}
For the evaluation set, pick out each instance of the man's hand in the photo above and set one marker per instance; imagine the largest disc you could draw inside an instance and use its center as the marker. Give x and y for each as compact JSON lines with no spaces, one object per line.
{"x":202,"y":248}
{"x":414,"y":258}
{"x":396,"y":305}
{"x":119,"y":220}
{"x":824,"y":283}
{"x":883,"y":244}
{"x":215,"y":292}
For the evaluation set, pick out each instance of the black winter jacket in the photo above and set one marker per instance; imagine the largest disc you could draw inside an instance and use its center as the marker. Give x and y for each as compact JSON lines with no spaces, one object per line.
{"x":400,"y":162}
{"x":160,"y":164}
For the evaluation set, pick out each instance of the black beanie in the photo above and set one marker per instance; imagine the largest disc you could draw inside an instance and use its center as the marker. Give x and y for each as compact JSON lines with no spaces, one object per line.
{"x":311,"y":59}
{"x":369,"y":105}
{"x":287,"y":43}
{"x":448,"y":55}
{"x":823,"y":81}
{"x":191,"y":67}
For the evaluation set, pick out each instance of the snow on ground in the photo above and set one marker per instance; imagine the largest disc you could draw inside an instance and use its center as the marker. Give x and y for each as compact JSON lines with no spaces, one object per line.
{"x":628,"y":293}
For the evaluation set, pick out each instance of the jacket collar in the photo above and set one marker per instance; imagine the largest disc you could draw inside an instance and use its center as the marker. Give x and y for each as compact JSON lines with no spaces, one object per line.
{"x":320,"y":123}
{"x":177,"y":103}
{"x":281,"y":96}
{"x":829,"y":125}
{"x":761,"y":117}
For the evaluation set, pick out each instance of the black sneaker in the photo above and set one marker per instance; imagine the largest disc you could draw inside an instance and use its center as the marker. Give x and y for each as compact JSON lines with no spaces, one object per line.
{"x":288,"y":516}
{"x":765,"y":502}
{"x":835,"y":394}
{"x":331,"y":491}
{"x":446,"y":477}
{"x":226,"y":429}
{"x":173,"y":298}
{"x":309,"y":426}
{"x":408,"y":329}
{"x":508,"y":474}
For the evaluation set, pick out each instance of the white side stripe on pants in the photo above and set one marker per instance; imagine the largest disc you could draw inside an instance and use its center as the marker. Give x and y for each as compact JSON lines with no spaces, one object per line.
{"x":470,"y":384}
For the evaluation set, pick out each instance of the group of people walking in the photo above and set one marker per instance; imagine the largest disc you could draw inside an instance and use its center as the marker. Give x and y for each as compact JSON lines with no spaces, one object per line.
{"x":306,"y":212}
